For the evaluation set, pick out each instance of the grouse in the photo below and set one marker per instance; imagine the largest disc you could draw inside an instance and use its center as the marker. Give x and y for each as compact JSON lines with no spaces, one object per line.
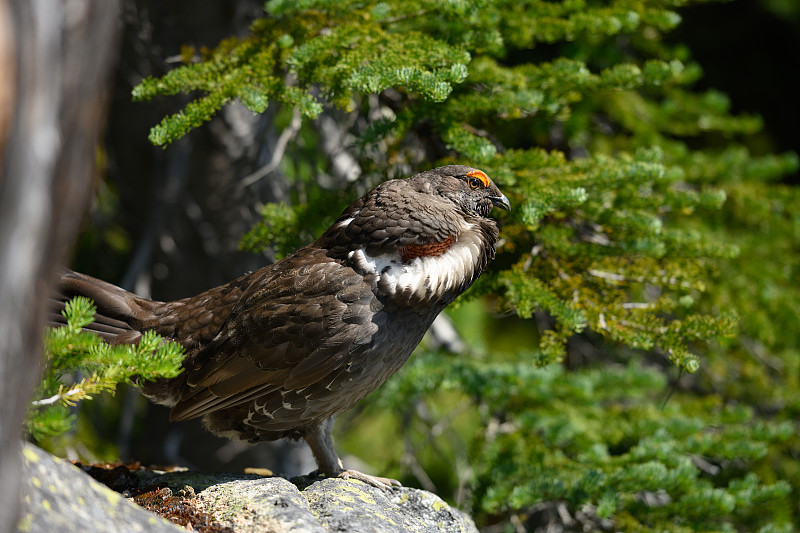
{"x":280,"y":351}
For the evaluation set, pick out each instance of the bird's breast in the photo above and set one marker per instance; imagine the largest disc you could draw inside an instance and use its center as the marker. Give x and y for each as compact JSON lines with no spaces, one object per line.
{"x":425,"y":273}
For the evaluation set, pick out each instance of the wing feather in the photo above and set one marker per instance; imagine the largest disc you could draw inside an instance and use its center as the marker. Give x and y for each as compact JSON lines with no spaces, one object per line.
{"x":285,"y":335}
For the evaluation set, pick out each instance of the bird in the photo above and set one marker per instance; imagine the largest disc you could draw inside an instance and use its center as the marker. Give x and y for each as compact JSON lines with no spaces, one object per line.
{"x":280,"y":351}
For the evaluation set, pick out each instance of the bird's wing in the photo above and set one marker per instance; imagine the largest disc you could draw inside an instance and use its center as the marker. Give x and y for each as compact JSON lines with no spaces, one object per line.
{"x":299,"y":323}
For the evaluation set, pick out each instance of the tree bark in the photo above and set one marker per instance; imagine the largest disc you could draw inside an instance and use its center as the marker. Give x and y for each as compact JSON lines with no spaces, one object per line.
{"x":55,"y":56}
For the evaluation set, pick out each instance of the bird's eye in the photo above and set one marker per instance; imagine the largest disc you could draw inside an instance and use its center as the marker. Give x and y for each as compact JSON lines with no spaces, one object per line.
{"x":474,"y":183}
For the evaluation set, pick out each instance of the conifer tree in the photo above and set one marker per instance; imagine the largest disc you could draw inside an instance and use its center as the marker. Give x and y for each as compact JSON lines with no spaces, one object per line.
{"x":649,"y":261}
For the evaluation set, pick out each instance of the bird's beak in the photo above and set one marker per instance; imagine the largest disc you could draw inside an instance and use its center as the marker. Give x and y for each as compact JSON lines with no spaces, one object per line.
{"x":501,"y":202}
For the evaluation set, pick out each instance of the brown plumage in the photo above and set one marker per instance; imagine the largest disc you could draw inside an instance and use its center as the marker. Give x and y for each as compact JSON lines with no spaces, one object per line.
{"x":280,"y":351}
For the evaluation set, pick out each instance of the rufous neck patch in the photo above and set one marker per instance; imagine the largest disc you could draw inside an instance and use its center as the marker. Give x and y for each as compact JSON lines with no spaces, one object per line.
{"x":433,"y":249}
{"x":480,"y":175}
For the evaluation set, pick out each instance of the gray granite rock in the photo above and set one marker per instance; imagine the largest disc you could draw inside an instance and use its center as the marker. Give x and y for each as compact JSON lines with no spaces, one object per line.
{"x":329,"y":505}
{"x":57,"y":496}
{"x":245,"y":503}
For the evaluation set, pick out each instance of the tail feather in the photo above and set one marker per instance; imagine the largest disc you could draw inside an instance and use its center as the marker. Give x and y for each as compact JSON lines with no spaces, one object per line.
{"x":112,"y":331}
{"x":121,"y":318}
{"x":121,"y":315}
{"x":111,"y":301}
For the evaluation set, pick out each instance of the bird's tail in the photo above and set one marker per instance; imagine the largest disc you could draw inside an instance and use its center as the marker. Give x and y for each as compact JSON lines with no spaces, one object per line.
{"x":121,"y":315}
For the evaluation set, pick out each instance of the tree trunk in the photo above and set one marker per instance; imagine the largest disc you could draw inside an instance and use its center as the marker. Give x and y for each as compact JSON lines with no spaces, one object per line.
{"x":55,"y":56}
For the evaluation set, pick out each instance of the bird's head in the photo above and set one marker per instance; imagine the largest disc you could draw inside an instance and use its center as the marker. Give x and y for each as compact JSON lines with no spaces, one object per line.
{"x":469,"y":188}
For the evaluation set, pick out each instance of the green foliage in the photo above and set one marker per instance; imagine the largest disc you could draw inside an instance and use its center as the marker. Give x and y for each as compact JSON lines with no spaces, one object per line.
{"x":602,"y":440}
{"x":280,"y":230}
{"x":644,"y":228}
{"x":344,"y":48}
{"x":79,"y":365}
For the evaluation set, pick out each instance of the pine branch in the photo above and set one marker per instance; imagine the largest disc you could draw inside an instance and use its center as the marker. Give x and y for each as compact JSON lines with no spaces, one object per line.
{"x":69,"y":349}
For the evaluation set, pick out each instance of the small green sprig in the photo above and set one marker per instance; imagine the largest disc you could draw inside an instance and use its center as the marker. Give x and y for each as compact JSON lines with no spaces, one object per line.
{"x":78,"y":365}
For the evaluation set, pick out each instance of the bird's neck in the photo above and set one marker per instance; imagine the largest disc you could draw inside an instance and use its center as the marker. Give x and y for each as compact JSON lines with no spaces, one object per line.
{"x":433,"y":273}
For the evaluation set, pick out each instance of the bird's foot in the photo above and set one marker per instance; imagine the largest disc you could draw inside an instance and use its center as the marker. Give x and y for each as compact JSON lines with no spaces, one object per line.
{"x":319,"y":440}
{"x":383,"y":483}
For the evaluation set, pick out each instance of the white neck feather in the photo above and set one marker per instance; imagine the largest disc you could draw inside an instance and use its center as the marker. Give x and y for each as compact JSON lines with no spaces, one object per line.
{"x":425,"y":278}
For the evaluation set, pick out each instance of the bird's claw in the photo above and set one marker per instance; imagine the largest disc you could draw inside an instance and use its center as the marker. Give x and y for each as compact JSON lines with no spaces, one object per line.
{"x":383,"y":483}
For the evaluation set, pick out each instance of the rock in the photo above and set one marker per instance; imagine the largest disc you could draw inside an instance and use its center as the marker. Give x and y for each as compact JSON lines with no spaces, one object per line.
{"x":329,"y":505}
{"x":244,"y":503}
{"x":57,"y":496}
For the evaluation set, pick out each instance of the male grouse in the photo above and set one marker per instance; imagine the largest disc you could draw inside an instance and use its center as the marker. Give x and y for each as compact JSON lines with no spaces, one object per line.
{"x":280,"y":351}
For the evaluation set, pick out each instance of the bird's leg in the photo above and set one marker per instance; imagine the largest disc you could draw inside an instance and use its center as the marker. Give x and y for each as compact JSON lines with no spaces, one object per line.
{"x":320,"y":441}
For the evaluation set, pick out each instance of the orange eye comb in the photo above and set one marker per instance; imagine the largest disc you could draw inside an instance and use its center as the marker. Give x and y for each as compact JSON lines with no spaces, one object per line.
{"x":480,"y":175}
